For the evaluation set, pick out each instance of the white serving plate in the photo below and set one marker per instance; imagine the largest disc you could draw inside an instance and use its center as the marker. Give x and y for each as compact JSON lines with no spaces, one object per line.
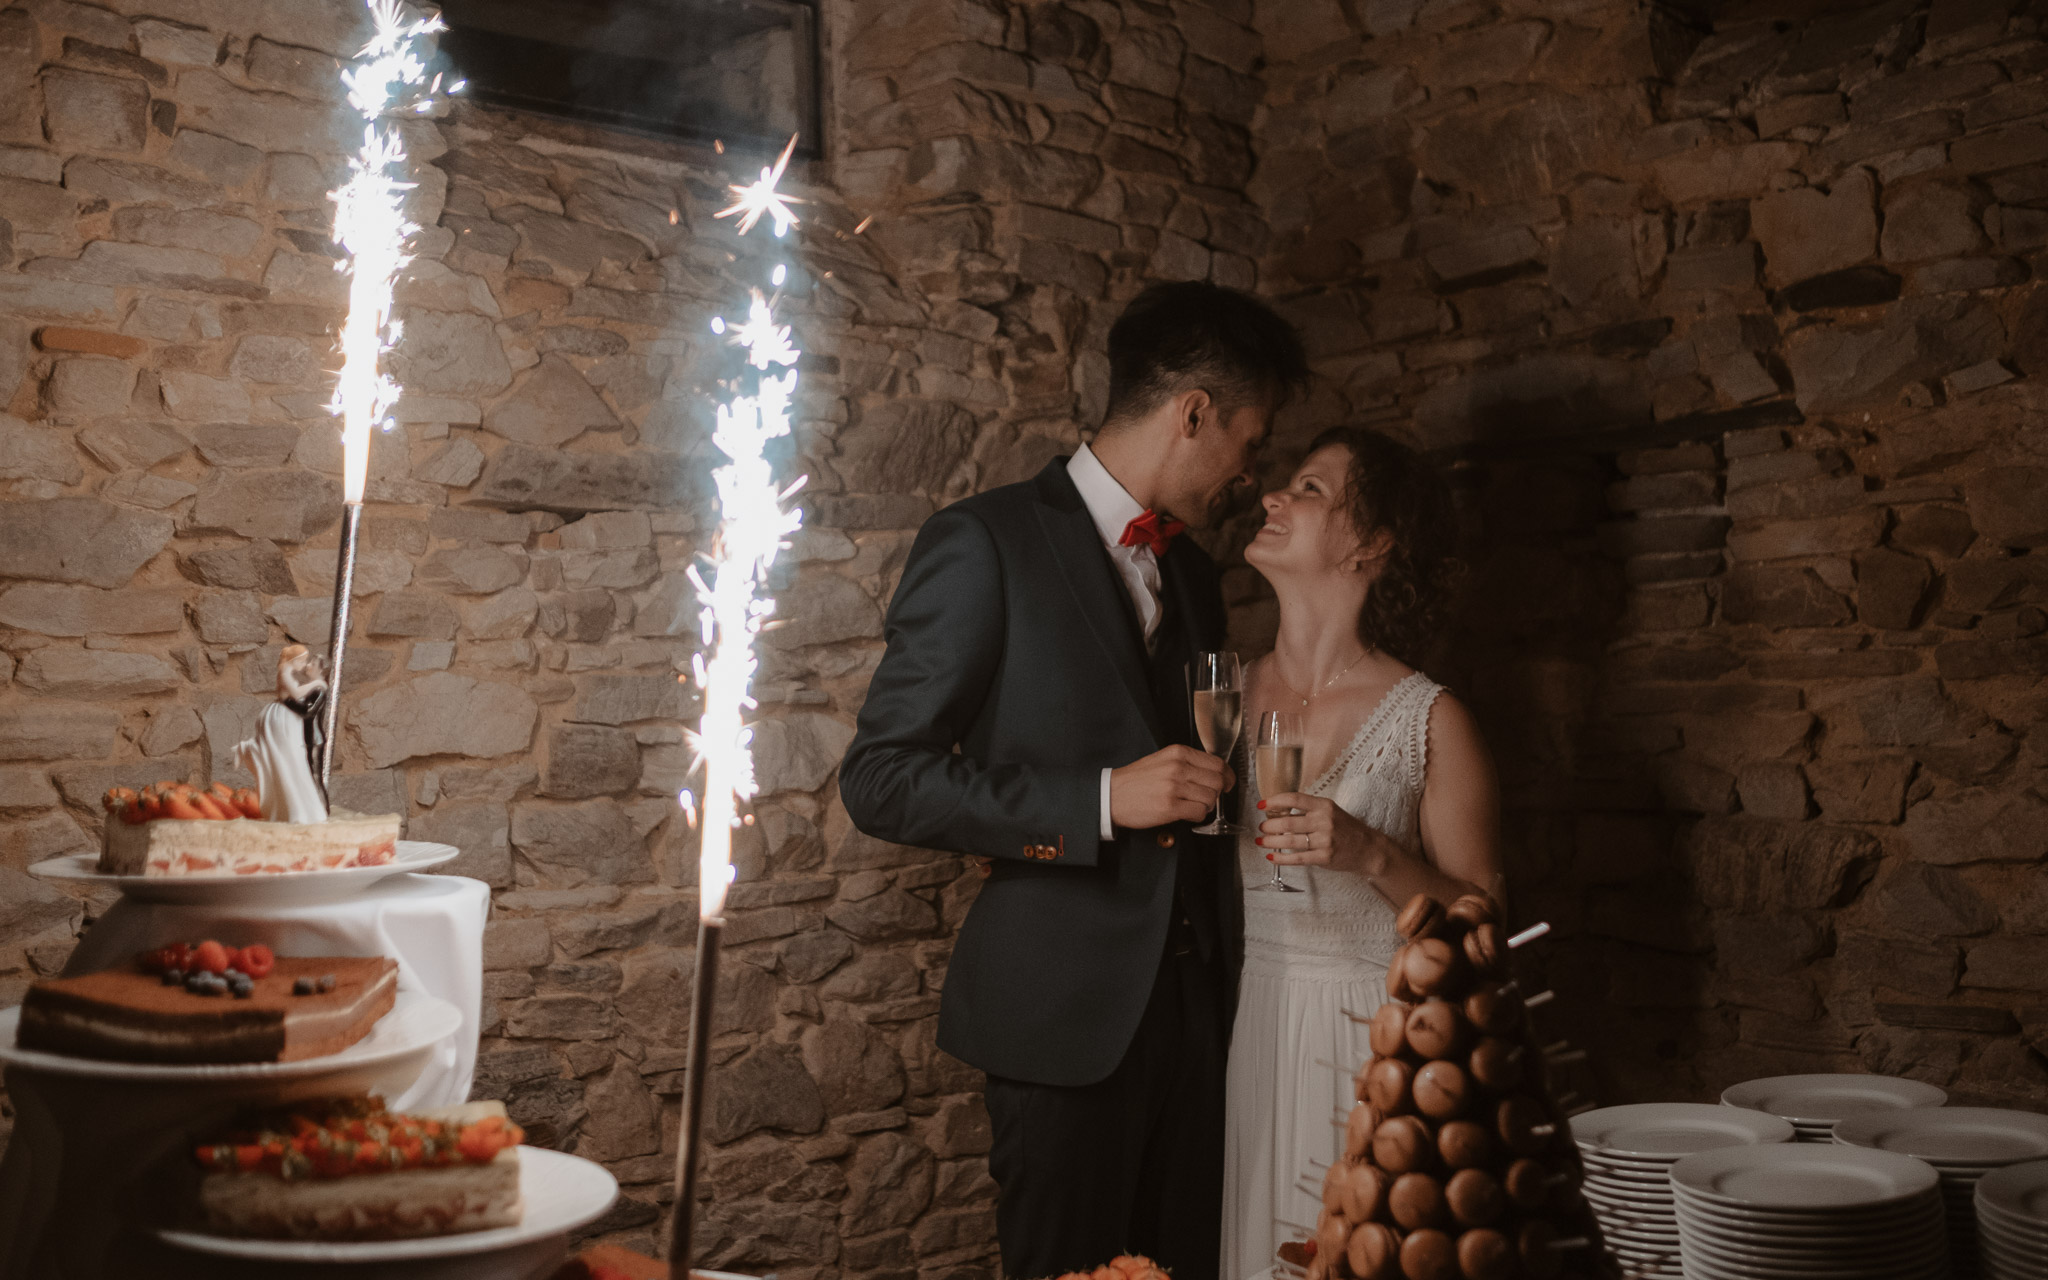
{"x":2010,"y":1260}
{"x":2018,"y":1192}
{"x":1699,"y":1268}
{"x":1636,"y":1236}
{"x":1908,"y":1236}
{"x":562,"y":1192}
{"x":1813,"y":1103}
{"x":1953,"y":1139}
{"x":1629,"y":1200}
{"x":258,"y":889}
{"x":1851,"y":1225}
{"x":1653,"y":1171}
{"x":416,"y":1023}
{"x":1796,"y":1176}
{"x":1667,"y":1131}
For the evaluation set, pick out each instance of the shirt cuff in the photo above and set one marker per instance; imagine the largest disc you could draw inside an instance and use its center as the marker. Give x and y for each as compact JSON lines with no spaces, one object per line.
{"x":1108,"y":828}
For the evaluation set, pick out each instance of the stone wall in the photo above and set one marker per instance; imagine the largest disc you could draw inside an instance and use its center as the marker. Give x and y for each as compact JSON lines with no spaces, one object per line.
{"x":1729,"y":317}
{"x":168,"y":306}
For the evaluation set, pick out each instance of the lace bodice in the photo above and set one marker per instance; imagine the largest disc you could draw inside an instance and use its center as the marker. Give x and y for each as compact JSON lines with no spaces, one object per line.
{"x":1342,"y":924}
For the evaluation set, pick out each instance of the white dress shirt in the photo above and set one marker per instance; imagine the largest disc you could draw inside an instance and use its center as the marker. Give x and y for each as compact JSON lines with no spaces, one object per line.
{"x":1112,"y":508}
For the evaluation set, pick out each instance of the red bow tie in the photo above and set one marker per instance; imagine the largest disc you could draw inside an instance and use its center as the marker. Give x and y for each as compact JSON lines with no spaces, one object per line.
{"x":1152,"y":530}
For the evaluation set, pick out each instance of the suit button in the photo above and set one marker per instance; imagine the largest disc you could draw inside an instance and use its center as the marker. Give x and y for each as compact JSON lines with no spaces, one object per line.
{"x":1166,"y":839}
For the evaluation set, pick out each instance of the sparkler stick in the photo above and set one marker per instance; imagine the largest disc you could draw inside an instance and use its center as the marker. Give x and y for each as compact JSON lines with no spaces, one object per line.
{"x":389,"y":79}
{"x":753,"y":525}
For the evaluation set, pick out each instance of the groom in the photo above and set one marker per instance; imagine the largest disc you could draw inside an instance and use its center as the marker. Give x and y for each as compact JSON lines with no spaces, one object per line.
{"x":1032,"y":708}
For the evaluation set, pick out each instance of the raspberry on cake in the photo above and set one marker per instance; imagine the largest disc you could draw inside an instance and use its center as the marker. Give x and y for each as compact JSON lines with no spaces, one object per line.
{"x":347,"y":1169}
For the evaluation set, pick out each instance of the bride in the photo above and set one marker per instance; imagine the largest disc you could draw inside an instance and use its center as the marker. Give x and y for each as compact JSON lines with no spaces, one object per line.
{"x":1403,"y":801}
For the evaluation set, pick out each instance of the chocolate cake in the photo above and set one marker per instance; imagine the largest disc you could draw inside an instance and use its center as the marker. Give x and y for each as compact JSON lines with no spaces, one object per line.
{"x":133,"y":1015}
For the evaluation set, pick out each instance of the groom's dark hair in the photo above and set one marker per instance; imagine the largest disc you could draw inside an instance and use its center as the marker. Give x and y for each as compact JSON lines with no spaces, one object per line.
{"x":1190,"y":334}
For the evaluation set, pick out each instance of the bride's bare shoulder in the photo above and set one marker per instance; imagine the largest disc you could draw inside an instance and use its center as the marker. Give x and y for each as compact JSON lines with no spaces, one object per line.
{"x":1455,"y":740}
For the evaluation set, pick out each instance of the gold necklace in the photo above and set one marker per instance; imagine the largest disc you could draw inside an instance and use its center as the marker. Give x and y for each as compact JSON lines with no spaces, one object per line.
{"x":1326,"y":684}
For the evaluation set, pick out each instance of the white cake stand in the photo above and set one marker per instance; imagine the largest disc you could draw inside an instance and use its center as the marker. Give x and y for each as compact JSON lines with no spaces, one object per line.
{"x":98,"y":1147}
{"x":270,"y":889}
{"x":562,"y":1192}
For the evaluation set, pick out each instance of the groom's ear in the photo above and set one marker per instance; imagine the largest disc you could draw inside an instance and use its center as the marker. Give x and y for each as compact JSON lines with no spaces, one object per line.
{"x":1193,"y":406}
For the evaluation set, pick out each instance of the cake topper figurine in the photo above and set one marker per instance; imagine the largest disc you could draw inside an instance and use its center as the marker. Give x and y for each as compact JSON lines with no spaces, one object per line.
{"x":284,"y":755}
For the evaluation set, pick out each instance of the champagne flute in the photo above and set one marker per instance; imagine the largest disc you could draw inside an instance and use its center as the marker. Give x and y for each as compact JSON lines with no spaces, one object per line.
{"x":1276,"y":759}
{"x":1218,"y":695}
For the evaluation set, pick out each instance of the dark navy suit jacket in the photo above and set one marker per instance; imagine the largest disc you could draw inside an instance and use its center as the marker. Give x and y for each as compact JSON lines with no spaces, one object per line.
{"x":1015,"y":673}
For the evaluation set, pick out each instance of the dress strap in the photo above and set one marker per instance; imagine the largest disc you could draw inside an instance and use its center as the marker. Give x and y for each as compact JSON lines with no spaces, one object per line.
{"x":1420,"y":702}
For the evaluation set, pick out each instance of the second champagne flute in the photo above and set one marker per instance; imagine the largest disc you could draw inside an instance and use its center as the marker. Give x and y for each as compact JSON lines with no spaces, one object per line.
{"x":1217,"y":688}
{"x":1276,"y":762}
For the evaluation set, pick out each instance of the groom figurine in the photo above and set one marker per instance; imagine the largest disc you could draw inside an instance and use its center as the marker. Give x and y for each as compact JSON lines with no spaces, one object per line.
{"x":1032,"y":708}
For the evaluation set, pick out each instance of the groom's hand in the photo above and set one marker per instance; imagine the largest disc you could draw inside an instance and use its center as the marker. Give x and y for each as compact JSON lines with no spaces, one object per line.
{"x":1178,"y":784}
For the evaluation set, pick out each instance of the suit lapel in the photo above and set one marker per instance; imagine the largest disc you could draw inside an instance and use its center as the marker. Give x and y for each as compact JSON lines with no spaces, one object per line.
{"x":1098,"y":591}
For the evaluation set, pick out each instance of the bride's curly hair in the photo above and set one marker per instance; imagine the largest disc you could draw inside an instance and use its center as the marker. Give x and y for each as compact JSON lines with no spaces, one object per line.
{"x":1390,"y":486}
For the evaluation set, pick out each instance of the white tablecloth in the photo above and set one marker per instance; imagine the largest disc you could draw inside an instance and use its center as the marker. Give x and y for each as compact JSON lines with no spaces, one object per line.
{"x":89,"y":1158}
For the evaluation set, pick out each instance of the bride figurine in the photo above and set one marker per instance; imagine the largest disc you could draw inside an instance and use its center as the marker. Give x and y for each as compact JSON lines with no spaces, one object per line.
{"x":284,"y":753}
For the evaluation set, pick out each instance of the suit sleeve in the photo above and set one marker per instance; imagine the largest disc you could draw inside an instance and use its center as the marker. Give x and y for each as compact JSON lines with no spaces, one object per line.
{"x":902,"y":780}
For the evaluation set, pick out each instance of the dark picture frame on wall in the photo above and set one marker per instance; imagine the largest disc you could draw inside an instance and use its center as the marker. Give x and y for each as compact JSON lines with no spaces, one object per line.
{"x":732,"y":71}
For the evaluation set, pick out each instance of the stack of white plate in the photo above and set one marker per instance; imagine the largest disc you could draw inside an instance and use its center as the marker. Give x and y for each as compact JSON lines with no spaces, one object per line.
{"x":1628,"y":1154}
{"x":1814,"y":1103}
{"x":2012,"y":1221}
{"x":1791,"y":1211}
{"x":1963,"y":1144}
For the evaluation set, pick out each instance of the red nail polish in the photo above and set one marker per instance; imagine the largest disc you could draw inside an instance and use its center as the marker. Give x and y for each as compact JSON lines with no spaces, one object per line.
{"x":1269,"y":857}
{"x":1262,"y":804}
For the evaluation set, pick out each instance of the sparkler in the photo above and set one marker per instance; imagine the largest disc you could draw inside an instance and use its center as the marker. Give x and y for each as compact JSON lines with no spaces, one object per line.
{"x":757,"y":198}
{"x":388,"y":80}
{"x":753,"y":527}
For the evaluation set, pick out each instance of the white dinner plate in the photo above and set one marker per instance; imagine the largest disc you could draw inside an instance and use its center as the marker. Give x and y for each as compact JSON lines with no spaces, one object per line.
{"x":1630,"y":1199}
{"x":1598,"y":1166}
{"x":1888,"y":1221}
{"x":417,"y":1021}
{"x":1975,"y":1138}
{"x":1915,"y":1257}
{"x":1666,"y":1131}
{"x":2010,"y":1230}
{"x":1909,"y":1236}
{"x":1624,"y":1235}
{"x":562,"y":1192}
{"x":1698,"y":1268}
{"x":2018,"y":1192}
{"x":1796,"y":1176}
{"x":1862,"y":1222}
{"x":1813,"y":1103}
{"x":258,"y":889}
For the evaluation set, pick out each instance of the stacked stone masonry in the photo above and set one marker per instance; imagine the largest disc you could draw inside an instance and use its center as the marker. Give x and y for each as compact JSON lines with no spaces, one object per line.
{"x":1730,"y":318}
{"x":1726,"y":314}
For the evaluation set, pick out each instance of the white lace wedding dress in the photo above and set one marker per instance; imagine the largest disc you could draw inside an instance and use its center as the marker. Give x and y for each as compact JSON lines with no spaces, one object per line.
{"x":1310,"y":957}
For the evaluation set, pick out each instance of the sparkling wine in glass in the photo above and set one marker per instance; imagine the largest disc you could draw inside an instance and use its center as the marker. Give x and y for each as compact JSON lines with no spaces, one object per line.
{"x":1276,"y":761}
{"x":1217,"y":685}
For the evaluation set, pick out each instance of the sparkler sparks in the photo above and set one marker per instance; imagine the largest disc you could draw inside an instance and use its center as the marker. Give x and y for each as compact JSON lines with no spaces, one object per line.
{"x":390,"y":79}
{"x":753,"y":524}
{"x":757,"y":198}
{"x":753,"y":527}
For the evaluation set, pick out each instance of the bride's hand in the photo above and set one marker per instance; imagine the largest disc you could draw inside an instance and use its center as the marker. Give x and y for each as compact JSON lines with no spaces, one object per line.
{"x":1320,"y":835}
